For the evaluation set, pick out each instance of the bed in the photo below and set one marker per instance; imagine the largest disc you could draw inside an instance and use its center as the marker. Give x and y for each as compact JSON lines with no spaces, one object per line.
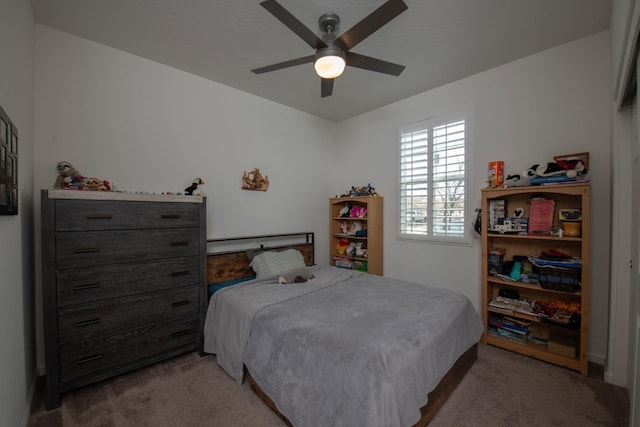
{"x":343,"y":349}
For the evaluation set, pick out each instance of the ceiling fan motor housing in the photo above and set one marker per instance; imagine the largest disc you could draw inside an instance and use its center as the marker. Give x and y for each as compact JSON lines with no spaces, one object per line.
{"x":329,"y":23}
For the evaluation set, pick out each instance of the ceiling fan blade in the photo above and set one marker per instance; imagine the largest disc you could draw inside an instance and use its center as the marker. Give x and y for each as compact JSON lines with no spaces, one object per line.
{"x":373,"y":64}
{"x":285,"y":64}
{"x":370,"y":24}
{"x":326,"y":88}
{"x":293,"y":24}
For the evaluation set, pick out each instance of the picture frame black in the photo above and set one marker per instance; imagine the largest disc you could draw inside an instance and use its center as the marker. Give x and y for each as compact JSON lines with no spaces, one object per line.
{"x":8,"y":165}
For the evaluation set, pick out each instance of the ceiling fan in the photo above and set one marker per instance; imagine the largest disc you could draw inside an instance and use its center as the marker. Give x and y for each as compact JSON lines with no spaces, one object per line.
{"x":333,"y":54}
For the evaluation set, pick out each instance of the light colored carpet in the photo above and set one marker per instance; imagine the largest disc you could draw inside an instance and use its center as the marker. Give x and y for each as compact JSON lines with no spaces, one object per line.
{"x":501,"y":389}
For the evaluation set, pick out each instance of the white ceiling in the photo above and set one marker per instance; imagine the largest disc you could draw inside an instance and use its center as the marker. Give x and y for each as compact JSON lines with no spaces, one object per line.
{"x":439,"y":41}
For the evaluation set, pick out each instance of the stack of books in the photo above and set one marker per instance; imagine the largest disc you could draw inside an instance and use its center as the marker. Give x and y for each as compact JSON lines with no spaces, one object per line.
{"x":509,"y":327}
{"x":511,"y":305}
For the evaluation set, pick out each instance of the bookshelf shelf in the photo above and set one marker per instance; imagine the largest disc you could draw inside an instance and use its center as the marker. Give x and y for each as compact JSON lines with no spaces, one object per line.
{"x":372,"y":241}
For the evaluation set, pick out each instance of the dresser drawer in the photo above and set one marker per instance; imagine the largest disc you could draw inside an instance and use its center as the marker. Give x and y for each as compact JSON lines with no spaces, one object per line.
{"x":86,"y":215}
{"x":82,"y":249}
{"x":168,"y":215}
{"x":97,"y":355}
{"x":90,"y":284}
{"x":80,"y":323}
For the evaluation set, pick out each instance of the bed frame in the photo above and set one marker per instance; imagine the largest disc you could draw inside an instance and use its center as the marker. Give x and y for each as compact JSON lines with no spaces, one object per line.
{"x":234,"y":264}
{"x":224,"y":265}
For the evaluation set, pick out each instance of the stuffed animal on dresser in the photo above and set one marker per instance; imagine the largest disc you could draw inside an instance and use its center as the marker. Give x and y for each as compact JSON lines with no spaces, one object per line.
{"x":193,"y":189}
{"x":69,"y":178}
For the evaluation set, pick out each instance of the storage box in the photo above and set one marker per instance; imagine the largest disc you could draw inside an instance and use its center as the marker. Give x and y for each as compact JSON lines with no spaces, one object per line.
{"x":563,"y":345}
{"x":343,"y":262}
{"x":360,"y":265}
{"x":559,"y":278}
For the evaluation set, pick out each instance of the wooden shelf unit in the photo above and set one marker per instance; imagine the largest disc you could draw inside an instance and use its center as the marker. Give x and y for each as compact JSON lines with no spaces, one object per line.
{"x":372,"y":223}
{"x":566,"y":196}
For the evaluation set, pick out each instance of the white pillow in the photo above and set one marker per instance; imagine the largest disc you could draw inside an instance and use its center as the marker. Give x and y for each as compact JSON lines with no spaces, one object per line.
{"x":273,"y":264}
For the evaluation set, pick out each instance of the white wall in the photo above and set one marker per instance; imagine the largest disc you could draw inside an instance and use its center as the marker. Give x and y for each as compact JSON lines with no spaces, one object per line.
{"x":555,"y":102}
{"x":148,"y":127}
{"x":17,"y":345}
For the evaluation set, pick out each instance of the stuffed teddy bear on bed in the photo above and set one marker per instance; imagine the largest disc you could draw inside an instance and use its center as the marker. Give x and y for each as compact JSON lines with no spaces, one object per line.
{"x":297,"y":275}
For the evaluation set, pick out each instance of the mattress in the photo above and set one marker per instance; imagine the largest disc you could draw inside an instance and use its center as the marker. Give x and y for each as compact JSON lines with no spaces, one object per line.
{"x":344,"y":349}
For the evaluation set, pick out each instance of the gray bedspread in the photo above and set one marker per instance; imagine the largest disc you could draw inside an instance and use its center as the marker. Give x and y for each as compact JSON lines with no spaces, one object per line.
{"x":345,"y":349}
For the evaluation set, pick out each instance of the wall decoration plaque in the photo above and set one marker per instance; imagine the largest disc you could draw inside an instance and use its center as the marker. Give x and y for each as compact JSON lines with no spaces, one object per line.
{"x":255,"y":181}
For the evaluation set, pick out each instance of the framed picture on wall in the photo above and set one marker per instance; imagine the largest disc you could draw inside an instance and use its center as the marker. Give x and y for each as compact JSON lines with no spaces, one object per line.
{"x":4,"y":197}
{"x":8,"y":165}
{"x":3,"y":156}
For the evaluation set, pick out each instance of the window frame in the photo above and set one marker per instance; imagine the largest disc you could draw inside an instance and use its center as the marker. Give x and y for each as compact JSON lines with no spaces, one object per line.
{"x":463,"y":113}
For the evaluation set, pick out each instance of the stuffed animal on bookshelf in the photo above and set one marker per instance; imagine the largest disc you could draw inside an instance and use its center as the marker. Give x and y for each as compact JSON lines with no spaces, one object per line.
{"x":351,"y":249}
{"x":358,"y":212}
{"x":355,"y":227}
{"x":517,"y":180}
{"x":570,"y":167}
{"x":345,"y":211}
{"x":341,"y":246}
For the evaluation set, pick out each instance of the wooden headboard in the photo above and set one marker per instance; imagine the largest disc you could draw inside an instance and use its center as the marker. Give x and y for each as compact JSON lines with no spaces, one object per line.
{"x":224,"y":265}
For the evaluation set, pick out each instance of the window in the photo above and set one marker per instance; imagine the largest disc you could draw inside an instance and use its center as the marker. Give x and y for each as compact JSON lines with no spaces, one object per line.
{"x":433,"y":179}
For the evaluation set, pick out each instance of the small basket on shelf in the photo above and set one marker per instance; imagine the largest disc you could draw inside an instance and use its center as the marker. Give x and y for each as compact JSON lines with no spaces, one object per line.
{"x":565,"y":279}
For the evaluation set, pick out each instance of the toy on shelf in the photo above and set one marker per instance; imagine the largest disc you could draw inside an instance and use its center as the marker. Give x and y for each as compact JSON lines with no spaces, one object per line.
{"x":569,"y":169}
{"x":358,"y":212}
{"x":351,"y":249}
{"x":366,"y":190}
{"x":356,"y":226}
{"x":194,"y":189}
{"x":342,"y":245}
{"x":361,"y":250}
{"x":70,"y":179}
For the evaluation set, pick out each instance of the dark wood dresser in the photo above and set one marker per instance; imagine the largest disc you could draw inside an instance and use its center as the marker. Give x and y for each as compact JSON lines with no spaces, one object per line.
{"x":123,"y":283}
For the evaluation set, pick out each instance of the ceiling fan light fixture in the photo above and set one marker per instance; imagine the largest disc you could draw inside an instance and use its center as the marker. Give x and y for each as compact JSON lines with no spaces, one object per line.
{"x":329,"y":62}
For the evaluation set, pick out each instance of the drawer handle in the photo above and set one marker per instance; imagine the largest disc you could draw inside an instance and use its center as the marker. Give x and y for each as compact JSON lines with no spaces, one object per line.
{"x":87,"y":286}
{"x":179,"y":243}
{"x":170,"y":216}
{"x":180,"y":273}
{"x":88,"y":322}
{"x":89,"y":359}
{"x":86,"y":250}
{"x":179,"y":333}
{"x":98,"y":216}
{"x":181,"y":303}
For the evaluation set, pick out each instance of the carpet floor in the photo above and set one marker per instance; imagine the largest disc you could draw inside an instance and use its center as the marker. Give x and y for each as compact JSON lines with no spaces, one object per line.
{"x":501,"y":389}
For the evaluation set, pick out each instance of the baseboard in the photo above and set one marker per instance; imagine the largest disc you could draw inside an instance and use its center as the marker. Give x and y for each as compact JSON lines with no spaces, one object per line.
{"x":598,"y":359}
{"x":30,"y":397}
